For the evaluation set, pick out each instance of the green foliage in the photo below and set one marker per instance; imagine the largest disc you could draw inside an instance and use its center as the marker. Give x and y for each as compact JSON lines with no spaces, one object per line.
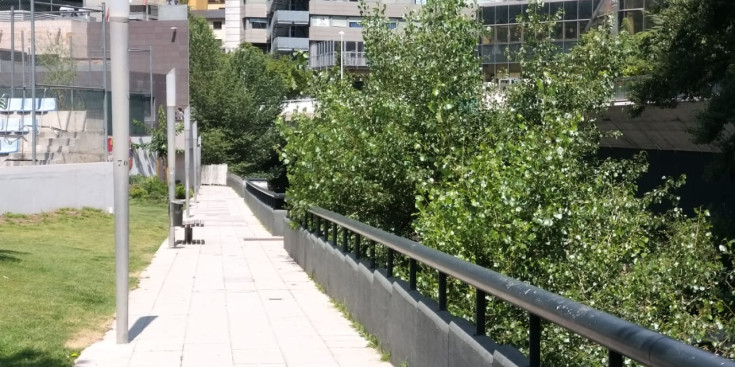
{"x":59,"y":64}
{"x":690,"y":57}
{"x":148,"y":189}
{"x":510,"y":181}
{"x":181,"y":192}
{"x":158,"y":134}
{"x":365,"y":151}
{"x":237,"y":97}
{"x":294,"y":70}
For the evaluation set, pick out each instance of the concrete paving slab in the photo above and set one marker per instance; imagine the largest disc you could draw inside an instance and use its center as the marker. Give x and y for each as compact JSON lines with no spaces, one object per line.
{"x":236,"y":300}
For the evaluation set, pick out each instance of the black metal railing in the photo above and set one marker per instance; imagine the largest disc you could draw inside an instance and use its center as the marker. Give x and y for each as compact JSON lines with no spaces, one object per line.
{"x":622,"y":338}
{"x":274,"y":200}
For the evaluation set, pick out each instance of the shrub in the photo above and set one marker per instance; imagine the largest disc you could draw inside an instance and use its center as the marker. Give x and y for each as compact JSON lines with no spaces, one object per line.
{"x":148,"y":188}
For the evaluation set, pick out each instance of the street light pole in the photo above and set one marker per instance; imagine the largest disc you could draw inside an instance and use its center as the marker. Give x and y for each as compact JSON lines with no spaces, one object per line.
{"x":341,"y":55}
{"x":187,"y":154}
{"x":120,"y":83}
{"x":33,"y":81}
{"x":171,"y":149}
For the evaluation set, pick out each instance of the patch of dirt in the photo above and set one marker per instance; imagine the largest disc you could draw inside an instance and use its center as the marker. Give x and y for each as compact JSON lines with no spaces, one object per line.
{"x":31,"y":219}
{"x":84,"y":338}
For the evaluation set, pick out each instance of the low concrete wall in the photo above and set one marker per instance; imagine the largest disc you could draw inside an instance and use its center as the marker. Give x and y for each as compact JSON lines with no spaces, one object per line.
{"x":406,"y":323}
{"x":272,"y":220}
{"x":36,"y":189}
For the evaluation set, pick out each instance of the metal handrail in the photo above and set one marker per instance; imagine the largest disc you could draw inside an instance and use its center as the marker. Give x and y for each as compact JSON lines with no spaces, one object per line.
{"x":620,"y":337}
{"x":273,"y":199}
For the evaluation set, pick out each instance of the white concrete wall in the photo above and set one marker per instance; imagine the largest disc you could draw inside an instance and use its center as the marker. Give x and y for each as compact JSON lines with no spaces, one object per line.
{"x":36,"y":189}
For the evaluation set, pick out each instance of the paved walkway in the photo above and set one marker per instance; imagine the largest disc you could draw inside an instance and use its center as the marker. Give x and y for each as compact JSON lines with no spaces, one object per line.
{"x":237,"y":300}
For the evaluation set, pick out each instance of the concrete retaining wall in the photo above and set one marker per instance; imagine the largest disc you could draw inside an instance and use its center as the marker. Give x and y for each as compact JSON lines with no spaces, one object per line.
{"x":406,"y":323}
{"x":272,"y":220}
{"x":35,"y":189}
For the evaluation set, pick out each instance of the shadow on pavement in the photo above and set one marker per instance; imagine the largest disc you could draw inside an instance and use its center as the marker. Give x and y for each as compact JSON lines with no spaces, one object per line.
{"x":139,"y":326}
{"x":33,"y":358}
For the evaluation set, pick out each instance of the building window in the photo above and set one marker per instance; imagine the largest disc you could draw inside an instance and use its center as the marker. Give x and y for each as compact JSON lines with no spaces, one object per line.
{"x":258,"y":23}
{"x":217,"y":25}
{"x":339,"y":22}
{"x":320,"y":21}
{"x":355,"y":25}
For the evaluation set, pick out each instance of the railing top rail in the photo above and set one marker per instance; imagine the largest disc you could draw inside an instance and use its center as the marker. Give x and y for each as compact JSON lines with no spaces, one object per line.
{"x":636,"y":342}
{"x":270,"y":193}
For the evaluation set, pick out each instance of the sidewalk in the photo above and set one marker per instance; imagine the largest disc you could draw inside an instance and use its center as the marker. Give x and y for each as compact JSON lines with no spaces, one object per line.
{"x":236,"y":300}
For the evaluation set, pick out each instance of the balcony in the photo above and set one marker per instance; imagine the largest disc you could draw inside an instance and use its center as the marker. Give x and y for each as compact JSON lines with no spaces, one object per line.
{"x":352,"y":60}
{"x":290,"y":17}
{"x":288,"y":44}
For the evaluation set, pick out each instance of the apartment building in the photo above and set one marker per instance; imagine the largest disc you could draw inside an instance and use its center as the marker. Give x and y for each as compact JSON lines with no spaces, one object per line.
{"x":285,"y":26}
{"x":323,"y":27}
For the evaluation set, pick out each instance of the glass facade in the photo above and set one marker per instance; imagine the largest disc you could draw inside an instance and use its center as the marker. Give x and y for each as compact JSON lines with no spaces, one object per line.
{"x":505,"y":35}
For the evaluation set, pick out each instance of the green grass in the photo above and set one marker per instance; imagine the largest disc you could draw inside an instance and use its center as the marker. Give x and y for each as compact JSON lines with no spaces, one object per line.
{"x":57,"y":279}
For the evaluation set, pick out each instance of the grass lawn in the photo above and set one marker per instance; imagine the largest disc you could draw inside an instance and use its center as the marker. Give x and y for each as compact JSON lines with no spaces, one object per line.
{"x":57,"y":279}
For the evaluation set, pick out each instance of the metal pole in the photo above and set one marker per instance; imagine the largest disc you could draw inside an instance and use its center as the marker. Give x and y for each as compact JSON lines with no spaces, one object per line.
{"x":195,"y":161}
{"x":105,"y":119}
{"x":12,"y":52}
{"x":615,"y":7}
{"x":120,"y":81}
{"x":150,"y":82}
{"x":187,"y":153}
{"x":23,"y":59}
{"x":171,"y":148}
{"x":33,"y":81}
{"x":341,"y":55}
{"x":198,"y":152}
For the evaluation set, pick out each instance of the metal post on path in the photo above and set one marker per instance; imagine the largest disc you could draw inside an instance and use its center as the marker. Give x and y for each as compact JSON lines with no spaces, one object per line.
{"x":171,"y":150}
{"x":120,"y":82}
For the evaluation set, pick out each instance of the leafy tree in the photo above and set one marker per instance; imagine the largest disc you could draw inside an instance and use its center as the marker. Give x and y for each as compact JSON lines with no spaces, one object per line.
{"x":205,"y":61}
{"x":294,"y":70}
{"x":366,"y":150}
{"x":58,"y":62}
{"x":689,"y":53}
{"x":509,"y":181}
{"x":236,"y":98}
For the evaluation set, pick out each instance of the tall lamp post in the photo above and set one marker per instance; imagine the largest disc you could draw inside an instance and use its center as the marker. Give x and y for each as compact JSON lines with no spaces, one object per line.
{"x":120,"y":83}
{"x":341,"y":55}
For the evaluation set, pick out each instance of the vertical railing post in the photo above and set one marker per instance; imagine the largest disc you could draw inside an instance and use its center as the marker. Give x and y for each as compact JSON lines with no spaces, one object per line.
{"x":442,"y":291}
{"x":480,"y":309}
{"x":614,"y":358}
{"x":372,"y":254}
{"x":389,"y":266}
{"x":318,"y":229}
{"x":412,"y":274}
{"x":357,"y":246}
{"x":345,"y":240}
{"x":334,"y":234}
{"x":325,"y":229}
{"x":534,"y":340}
